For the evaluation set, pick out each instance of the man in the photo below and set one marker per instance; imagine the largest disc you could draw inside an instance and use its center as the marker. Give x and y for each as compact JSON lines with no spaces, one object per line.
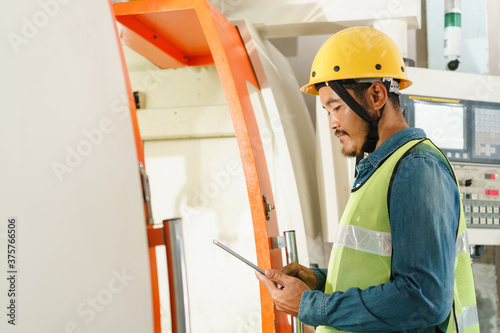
{"x":400,"y":260}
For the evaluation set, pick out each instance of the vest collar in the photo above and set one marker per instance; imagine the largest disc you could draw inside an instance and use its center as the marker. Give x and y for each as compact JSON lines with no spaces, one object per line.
{"x":370,"y":163}
{"x":393,"y":143}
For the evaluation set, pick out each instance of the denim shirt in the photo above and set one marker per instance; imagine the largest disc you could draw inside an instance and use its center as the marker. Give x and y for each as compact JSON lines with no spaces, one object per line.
{"x":424,"y":211}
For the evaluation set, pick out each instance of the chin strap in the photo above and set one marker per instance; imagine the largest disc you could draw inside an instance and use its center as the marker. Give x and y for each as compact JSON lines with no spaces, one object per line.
{"x":372,"y":136}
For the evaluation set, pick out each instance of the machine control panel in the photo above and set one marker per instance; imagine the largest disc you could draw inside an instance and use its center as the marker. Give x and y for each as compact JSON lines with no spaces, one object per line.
{"x":480,"y":193}
{"x":461,"y":115}
{"x":468,"y":133}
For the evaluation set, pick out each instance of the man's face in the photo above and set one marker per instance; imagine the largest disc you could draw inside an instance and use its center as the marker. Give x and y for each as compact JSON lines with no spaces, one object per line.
{"x":349,"y":128}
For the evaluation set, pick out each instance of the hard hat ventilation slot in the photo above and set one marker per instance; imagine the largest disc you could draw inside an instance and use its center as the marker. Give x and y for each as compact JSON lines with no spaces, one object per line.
{"x":313,"y":74}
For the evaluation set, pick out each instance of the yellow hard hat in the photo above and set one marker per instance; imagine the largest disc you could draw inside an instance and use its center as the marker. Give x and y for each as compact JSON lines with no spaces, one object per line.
{"x":357,"y":53}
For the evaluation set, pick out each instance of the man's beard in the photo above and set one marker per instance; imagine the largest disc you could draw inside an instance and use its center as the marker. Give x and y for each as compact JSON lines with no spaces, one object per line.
{"x":365,"y":128}
{"x":352,"y":153}
{"x":344,"y":153}
{"x":349,"y":154}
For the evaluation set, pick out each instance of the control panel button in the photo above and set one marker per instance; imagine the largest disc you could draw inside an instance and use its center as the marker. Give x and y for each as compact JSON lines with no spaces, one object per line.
{"x":483,"y":220}
{"x":475,"y":209}
{"x":489,"y":209}
{"x":489,"y":220}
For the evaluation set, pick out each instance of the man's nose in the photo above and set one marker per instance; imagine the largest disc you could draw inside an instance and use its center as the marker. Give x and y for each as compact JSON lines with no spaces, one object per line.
{"x":334,"y":122}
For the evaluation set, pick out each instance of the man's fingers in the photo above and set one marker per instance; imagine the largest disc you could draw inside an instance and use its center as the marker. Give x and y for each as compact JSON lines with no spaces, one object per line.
{"x":304,"y":276}
{"x":278,"y":277}
{"x":291,"y":269}
{"x":268,"y":284}
{"x":273,"y":277}
{"x":286,"y":299}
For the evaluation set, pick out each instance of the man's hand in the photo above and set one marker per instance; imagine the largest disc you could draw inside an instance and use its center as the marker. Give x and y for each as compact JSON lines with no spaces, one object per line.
{"x":287,"y":299}
{"x":302,"y":273}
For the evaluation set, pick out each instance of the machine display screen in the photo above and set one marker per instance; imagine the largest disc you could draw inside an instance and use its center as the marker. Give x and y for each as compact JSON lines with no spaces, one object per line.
{"x":443,"y":124}
{"x":464,"y":130}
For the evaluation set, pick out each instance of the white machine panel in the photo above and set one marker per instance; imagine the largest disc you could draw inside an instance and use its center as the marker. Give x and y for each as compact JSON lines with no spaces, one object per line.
{"x":73,"y":245}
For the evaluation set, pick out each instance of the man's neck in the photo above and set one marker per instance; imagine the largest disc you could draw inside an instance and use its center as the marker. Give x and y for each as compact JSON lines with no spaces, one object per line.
{"x":392,"y":121}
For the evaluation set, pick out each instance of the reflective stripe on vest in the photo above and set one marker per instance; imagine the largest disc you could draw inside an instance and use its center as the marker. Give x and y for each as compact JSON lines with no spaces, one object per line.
{"x":365,"y":240}
{"x":462,"y":243}
{"x":380,"y":243}
{"x":467,"y":318}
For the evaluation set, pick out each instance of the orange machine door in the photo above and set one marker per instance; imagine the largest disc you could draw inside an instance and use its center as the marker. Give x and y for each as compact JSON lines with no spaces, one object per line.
{"x":179,"y":33}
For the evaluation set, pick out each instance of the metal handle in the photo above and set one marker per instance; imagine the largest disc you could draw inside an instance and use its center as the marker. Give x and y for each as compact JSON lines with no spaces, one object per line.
{"x":177,"y":278}
{"x":292,"y":256}
{"x":146,"y":193}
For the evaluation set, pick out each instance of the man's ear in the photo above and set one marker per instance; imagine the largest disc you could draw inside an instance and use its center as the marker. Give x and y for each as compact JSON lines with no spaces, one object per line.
{"x":377,"y":96}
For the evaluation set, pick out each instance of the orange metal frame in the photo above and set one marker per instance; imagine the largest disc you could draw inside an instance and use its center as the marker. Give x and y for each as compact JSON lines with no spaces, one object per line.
{"x":178,"y":33}
{"x":157,"y":236}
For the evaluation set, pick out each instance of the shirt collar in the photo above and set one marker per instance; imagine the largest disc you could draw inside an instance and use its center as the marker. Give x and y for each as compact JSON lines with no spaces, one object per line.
{"x":394,"y":142}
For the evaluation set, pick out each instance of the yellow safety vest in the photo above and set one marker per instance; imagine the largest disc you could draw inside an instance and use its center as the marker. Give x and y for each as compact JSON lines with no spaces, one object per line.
{"x":361,"y":256}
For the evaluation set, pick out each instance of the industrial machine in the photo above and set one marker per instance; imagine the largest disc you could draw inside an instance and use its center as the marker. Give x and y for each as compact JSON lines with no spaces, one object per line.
{"x":460,"y":113}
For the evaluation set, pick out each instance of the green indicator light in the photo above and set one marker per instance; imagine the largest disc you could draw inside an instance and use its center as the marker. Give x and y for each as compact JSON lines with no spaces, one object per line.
{"x":452,"y":20}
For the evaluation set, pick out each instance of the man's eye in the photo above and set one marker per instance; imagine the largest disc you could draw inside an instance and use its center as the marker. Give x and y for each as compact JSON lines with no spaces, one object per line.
{"x":328,"y":113}
{"x":334,"y":110}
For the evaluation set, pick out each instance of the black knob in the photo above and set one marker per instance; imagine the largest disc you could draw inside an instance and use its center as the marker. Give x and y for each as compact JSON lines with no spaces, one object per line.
{"x":468,"y":182}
